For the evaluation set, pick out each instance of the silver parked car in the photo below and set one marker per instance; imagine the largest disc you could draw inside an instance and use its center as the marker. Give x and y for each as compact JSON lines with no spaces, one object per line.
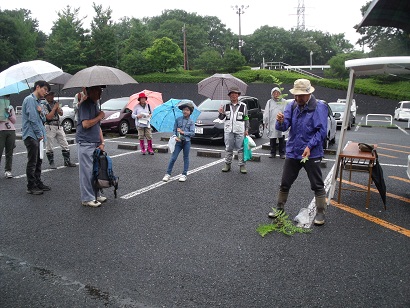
{"x":402,"y":111}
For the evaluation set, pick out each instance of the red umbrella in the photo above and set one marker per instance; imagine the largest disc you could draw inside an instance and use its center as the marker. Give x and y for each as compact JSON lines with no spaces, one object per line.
{"x":154,"y":99}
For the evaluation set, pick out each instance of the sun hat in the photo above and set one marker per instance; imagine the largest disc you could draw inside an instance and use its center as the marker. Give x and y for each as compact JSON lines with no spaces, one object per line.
{"x":234,"y":89}
{"x":142,"y":95}
{"x":301,"y":87}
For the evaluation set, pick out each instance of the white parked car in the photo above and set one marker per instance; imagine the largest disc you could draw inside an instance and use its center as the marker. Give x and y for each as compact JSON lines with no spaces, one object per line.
{"x":353,"y":108}
{"x":67,"y":119}
{"x":402,"y":111}
{"x":338,"y":112}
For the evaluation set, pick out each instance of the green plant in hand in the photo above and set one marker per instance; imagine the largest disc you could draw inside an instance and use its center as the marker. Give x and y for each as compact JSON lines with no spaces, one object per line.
{"x":304,"y":159}
{"x":281,"y":224}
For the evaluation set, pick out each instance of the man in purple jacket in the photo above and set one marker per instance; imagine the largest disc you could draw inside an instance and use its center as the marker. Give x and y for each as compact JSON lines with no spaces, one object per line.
{"x":307,"y":119}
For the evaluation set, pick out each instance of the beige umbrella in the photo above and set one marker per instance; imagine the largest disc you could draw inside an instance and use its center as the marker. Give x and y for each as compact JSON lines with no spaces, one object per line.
{"x":99,"y":76}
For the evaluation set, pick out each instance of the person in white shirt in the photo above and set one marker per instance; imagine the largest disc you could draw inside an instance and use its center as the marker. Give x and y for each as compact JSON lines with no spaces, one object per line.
{"x":142,"y":116}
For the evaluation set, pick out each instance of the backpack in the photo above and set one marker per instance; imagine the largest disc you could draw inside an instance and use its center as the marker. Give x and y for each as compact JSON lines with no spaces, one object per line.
{"x":103,"y":175}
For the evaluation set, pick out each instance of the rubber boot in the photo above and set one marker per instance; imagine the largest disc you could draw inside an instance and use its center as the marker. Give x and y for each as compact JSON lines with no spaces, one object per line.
{"x":226,"y":168}
{"x":280,"y":206}
{"x":67,"y":161}
{"x":320,"y":210}
{"x":50,"y":156}
{"x":150,"y":150}
{"x":142,"y":146}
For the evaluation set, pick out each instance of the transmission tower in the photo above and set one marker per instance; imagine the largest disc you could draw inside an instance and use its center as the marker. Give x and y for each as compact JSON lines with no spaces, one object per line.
{"x":301,"y":15}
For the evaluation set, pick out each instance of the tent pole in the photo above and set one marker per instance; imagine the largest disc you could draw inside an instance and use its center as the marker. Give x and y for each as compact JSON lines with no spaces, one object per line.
{"x":350,"y":91}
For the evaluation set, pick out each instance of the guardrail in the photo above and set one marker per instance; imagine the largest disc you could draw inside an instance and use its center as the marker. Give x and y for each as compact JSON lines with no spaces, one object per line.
{"x":380,"y":115}
{"x":18,"y":109}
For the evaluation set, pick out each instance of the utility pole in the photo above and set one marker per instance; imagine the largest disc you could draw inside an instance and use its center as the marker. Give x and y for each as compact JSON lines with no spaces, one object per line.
{"x":301,"y":15}
{"x":186,"y":67}
{"x":240,"y":9}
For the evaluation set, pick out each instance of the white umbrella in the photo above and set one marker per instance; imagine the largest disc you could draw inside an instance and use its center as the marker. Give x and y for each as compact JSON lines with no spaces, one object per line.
{"x":99,"y":76}
{"x":29,"y":72}
{"x":217,"y":86}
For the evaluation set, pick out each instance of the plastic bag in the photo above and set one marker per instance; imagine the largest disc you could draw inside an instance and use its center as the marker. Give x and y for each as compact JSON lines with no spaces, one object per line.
{"x":251,"y":143}
{"x":171,"y":144}
{"x":247,"y":152}
{"x":302,"y":218}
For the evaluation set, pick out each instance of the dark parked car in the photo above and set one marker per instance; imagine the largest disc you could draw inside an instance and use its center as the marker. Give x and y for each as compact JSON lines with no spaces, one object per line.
{"x":209,"y":128}
{"x":117,"y":116}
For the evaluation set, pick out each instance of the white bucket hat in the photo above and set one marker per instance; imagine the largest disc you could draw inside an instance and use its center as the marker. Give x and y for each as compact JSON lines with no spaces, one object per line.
{"x":301,"y":87}
{"x":275,"y":89}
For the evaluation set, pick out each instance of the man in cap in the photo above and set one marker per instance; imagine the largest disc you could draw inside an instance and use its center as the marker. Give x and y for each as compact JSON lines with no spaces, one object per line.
{"x":236,"y":126}
{"x":307,"y":119}
{"x":142,"y":116}
{"x":55,"y":132}
{"x":89,"y":137}
{"x":273,"y":106}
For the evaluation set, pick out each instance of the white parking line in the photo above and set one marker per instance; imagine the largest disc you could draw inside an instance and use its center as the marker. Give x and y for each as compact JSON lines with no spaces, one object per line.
{"x":404,"y":131}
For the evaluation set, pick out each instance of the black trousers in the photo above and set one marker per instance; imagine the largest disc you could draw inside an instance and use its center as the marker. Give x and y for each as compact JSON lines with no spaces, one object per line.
{"x":291,"y":170}
{"x":281,"y":145}
{"x":33,"y":169}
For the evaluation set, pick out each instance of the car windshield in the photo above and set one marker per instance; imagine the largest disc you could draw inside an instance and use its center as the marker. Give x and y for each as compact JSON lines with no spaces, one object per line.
{"x":337,"y":107}
{"x":212,"y":105}
{"x":115,"y":104}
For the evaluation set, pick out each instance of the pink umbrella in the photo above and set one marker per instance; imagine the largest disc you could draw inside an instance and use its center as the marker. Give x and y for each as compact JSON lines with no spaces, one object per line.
{"x":154,"y":99}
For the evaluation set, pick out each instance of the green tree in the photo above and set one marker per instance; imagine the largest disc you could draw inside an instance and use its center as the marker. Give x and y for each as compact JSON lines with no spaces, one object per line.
{"x":209,"y":61}
{"x":18,"y":37}
{"x":337,"y":65}
{"x":65,"y":45}
{"x":135,"y":63}
{"x":103,"y":46}
{"x":233,"y":61}
{"x":164,"y":55}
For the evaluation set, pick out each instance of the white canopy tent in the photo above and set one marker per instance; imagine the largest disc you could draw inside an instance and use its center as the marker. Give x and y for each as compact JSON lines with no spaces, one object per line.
{"x":362,"y":67}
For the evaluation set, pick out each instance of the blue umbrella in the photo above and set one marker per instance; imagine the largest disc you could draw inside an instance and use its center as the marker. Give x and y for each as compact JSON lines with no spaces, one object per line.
{"x":163,"y":116}
{"x":14,"y":88}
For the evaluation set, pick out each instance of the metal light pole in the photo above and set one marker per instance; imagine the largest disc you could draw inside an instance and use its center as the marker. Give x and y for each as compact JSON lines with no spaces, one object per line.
{"x":311,"y":54}
{"x":240,"y":9}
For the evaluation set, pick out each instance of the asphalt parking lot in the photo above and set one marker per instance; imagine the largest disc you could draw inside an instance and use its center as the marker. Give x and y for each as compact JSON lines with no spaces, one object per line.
{"x":195,"y":244}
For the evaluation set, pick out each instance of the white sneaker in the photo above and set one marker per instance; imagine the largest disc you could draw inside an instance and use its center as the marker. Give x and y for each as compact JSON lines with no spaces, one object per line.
{"x":8,"y":175}
{"x":182,"y":178}
{"x":101,"y":199}
{"x":92,"y":203}
{"x":166,"y":177}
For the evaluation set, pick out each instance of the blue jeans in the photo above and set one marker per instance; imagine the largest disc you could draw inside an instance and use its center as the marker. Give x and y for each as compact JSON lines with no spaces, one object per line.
{"x":184,"y":146}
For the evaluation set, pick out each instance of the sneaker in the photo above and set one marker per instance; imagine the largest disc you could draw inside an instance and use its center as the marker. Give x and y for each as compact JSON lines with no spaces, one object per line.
{"x":143,"y":152}
{"x":151,"y":153}
{"x":166,"y":177}
{"x":283,"y":156}
{"x":101,"y":199}
{"x":53,"y":166}
{"x":182,"y":178}
{"x":319,"y":219}
{"x":8,"y":175}
{"x":43,"y":187}
{"x":35,"y":191}
{"x":92,"y":203}
{"x":242,"y":169}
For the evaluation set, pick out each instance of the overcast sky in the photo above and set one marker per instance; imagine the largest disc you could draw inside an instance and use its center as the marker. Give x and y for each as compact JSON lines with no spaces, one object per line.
{"x":324,"y":15}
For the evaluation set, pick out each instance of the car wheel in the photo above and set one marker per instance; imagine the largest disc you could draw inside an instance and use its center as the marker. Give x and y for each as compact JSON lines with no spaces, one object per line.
{"x":259,"y":133}
{"x":326,"y":144}
{"x":67,"y":125}
{"x":124,"y":128}
{"x":349,"y":126}
{"x":333,"y":141}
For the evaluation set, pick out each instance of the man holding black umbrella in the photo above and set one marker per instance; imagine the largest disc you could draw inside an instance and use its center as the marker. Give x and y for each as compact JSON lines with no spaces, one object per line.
{"x":89,"y":137}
